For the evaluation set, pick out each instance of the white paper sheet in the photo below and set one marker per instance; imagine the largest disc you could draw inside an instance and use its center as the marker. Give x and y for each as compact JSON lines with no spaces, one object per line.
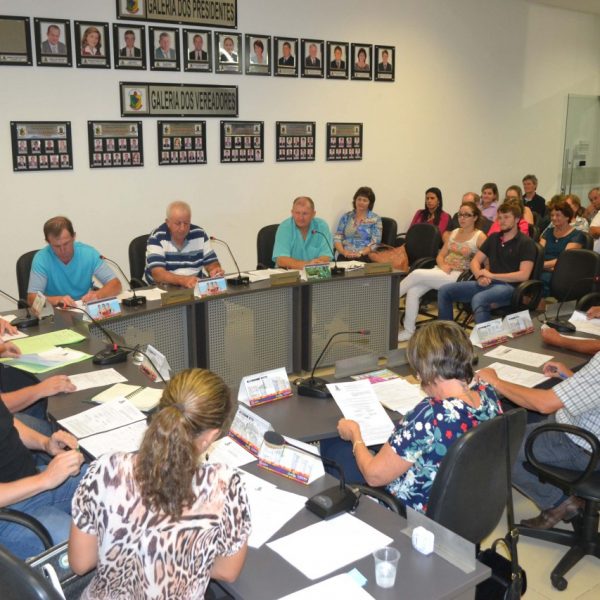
{"x":340,"y":586}
{"x":92,"y":379}
{"x":329,"y":545}
{"x":271,"y":509}
{"x":9,"y":318}
{"x":521,"y":357}
{"x":582,"y":323}
{"x":516,"y":375}
{"x":357,"y":401}
{"x":286,"y":460}
{"x":124,"y":439}
{"x":398,"y":394}
{"x":7,"y":337}
{"x":228,"y":452}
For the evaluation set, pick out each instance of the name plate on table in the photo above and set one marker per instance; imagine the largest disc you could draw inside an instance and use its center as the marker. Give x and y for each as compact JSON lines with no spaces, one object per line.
{"x":177,"y":296}
{"x":317,"y":272}
{"x":248,"y":429}
{"x":291,"y":463}
{"x":103,"y":309}
{"x":212,"y":287}
{"x":518,"y":323}
{"x":373,"y":268}
{"x":285,"y":278}
{"x":491,"y":333}
{"x":265,"y":387}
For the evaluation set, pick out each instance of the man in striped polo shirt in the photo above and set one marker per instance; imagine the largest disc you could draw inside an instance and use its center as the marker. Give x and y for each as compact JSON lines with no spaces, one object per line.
{"x":178,"y":251}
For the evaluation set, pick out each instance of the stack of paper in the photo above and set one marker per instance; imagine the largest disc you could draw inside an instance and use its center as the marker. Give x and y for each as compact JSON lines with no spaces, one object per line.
{"x":143,"y":398}
{"x":398,"y":394}
{"x":582,"y":323}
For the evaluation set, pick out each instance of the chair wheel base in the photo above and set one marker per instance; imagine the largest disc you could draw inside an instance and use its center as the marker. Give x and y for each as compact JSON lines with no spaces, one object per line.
{"x":560,"y":583}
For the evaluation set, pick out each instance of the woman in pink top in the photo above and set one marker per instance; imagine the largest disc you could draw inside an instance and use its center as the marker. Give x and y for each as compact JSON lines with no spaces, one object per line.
{"x":433,"y":213}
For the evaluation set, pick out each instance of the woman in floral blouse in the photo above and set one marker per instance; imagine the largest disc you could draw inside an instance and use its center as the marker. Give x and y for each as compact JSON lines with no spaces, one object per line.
{"x":441,"y":354}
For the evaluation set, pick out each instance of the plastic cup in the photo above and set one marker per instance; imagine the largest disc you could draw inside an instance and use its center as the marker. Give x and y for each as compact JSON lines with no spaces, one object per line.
{"x":386,"y":565}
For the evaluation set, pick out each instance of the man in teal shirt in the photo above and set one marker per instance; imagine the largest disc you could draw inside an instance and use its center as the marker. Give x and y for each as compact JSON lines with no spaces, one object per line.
{"x":302,"y":239}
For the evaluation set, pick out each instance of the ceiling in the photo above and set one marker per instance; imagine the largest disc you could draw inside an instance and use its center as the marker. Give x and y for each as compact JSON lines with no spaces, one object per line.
{"x":589,"y":6}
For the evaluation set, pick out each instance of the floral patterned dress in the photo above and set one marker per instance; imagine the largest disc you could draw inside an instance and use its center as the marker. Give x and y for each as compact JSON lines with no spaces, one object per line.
{"x":425,"y":435}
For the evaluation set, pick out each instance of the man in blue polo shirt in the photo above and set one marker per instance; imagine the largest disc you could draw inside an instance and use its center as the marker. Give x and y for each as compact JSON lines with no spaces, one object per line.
{"x":177,"y":251}
{"x":64,"y":269}
{"x":302,"y":239}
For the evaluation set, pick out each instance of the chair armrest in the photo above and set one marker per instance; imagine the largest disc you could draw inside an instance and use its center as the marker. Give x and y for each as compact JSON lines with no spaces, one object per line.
{"x":589,"y":437}
{"x":31,"y":523}
{"x":587,"y":301}
{"x":382,"y":496}
{"x":531,"y":289}
{"x":400,"y":240}
{"x":427,"y":262}
{"x":466,"y":276}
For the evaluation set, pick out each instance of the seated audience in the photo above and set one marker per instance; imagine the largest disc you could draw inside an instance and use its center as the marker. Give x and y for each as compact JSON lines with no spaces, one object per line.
{"x":489,"y":201}
{"x":578,"y":221}
{"x":63,"y":270}
{"x":303,"y":238}
{"x":442,"y":355}
{"x":43,"y":492}
{"x":523,"y":224}
{"x":433,"y":212}
{"x":504,"y":260}
{"x":359,"y":231}
{"x":513,"y":192}
{"x":562,"y":236}
{"x":454,"y":258}
{"x":595,"y":220}
{"x":159,"y":523}
{"x":574,"y":401}
{"x":594,"y":205}
{"x":482,"y":223}
{"x":531,"y":198}
{"x":178,"y":251}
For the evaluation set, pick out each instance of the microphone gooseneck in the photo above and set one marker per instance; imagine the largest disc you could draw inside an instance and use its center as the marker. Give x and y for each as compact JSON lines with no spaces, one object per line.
{"x":28,"y":320}
{"x":240,"y":279}
{"x":135,"y":300}
{"x":336,"y":270}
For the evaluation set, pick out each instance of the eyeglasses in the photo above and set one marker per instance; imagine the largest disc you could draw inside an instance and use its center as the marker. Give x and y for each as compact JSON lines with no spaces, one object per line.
{"x":466,"y":215}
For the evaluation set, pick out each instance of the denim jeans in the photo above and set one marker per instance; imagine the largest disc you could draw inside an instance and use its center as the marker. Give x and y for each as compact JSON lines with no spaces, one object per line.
{"x":52,"y":508}
{"x":482,"y":298}
{"x":553,"y":448}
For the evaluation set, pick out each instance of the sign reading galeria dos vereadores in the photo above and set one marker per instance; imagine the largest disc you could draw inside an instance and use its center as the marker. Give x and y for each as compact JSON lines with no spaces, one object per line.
{"x":178,"y":100}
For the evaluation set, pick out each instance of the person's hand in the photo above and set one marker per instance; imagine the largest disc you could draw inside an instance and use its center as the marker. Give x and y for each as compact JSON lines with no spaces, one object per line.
{"x":488,"y":375}
{"x":57,"y":384}
{"x":551,"y":336}
{"x":61,"y":467}
{"x":446,"y":268}
{"x":323,"y":260}
{"x":7,"y":328}
{"x":217,"y":273}
{"x":9,"y":350}
{"x":91,"y":296}
{"x":65,"y":301}
{"x":189,"y":281}
{"x":61,"y":441}
{"x":593,"y":313}
{"x":348,"y":429}
{"x":483,"y":281}
{"x":557,"y":369}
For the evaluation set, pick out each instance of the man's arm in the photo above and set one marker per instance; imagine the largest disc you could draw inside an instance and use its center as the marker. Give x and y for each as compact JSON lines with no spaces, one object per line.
{"x":523,"y":274}
{"x":109,"y":290}
{"x":552,"y":337}
{"x":21,"y":399}
{"x":214,"y":269}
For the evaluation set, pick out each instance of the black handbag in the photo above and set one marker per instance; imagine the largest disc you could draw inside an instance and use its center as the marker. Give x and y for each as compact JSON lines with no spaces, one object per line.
{"x":508,"y":580}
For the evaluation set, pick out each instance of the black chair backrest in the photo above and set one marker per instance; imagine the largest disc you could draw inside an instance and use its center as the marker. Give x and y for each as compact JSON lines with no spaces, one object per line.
{"x":137,"y":256}
{"x":23,"y":271}
{"x":588,"y":244}
{"x":423,"y":240}
{"x":470,"y":489}
{"x":574,"y":274}
{"x":18,"y":581}
{"x":538,"y":265}
{"x":265,"y":240}
{"x":389,"y":231}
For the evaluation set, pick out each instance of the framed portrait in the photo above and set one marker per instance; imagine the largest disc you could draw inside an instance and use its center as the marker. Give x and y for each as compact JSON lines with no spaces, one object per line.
{"x":258,"y":54}
{"x":285,"y":57}
{"x":361,"y":67}
{"x":164,"y":48}
{"x":53,"y":42}
{"x":92,"y":45}
{"x":197,"y":50}
{"x":344,"y":141}
{"x":115,"y":144}
{"x":129,"y":46}
{"x":228,"y":52}
{"x":385,"y":61}
{"x":295,"y":141}
{"x":242,"y":141}
{"x":15,"y":41}
{"x":41,"y":145}
{"x":337,"y":60}
{"x":312,"y":57}
{"x":187,"y":140}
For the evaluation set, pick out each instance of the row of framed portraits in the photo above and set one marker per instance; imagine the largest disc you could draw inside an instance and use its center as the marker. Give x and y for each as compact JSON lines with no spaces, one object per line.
{"x":47,"y":145}
{"x":199,"y":50}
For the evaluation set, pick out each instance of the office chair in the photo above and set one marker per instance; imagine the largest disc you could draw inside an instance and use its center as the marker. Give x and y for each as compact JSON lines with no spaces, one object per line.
{"x":389,"y":231}
{"x":585,"y":539}
{"x":23,"y":270}
{"x":469,"y":492}
{"x":422,"y":242}
{"x":137,"y":260}
{"x":575,"y":274}
{"x":265,"y":240}
{"x":589,"y":240}
{"x":31,"y":523}
{"x":586,"y":302}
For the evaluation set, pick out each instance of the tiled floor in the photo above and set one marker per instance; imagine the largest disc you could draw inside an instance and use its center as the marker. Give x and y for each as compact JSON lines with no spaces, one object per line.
{"x":538,"y":558}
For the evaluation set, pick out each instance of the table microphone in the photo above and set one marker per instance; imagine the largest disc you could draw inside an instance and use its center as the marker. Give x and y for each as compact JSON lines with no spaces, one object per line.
{"x":109,"y":356}
{"x":336,"y":270}
{"x":135,"y":300}
{"x":240,"y":279}
{"x":316,"y":387}
{"x":22,"y":322}
{"x":327,"y":503}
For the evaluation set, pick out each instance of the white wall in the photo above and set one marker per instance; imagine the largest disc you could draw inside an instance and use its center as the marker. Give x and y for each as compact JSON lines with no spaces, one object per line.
{"x":480,"y":94}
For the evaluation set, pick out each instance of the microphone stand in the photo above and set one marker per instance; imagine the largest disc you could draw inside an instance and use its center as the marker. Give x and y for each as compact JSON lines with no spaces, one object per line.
{"x":336,"y":270}
{"x":135,"y":300}
{"x":109,"y":356}
{"x":559,"y":324}
{"x":240,"y":279}
{"x":28,"y":320}
{"x":316,"y":387}
{"x":329,"y":502}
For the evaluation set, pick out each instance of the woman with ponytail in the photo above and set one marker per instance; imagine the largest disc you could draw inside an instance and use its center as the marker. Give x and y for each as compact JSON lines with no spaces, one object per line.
{"x":159,"y":523}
